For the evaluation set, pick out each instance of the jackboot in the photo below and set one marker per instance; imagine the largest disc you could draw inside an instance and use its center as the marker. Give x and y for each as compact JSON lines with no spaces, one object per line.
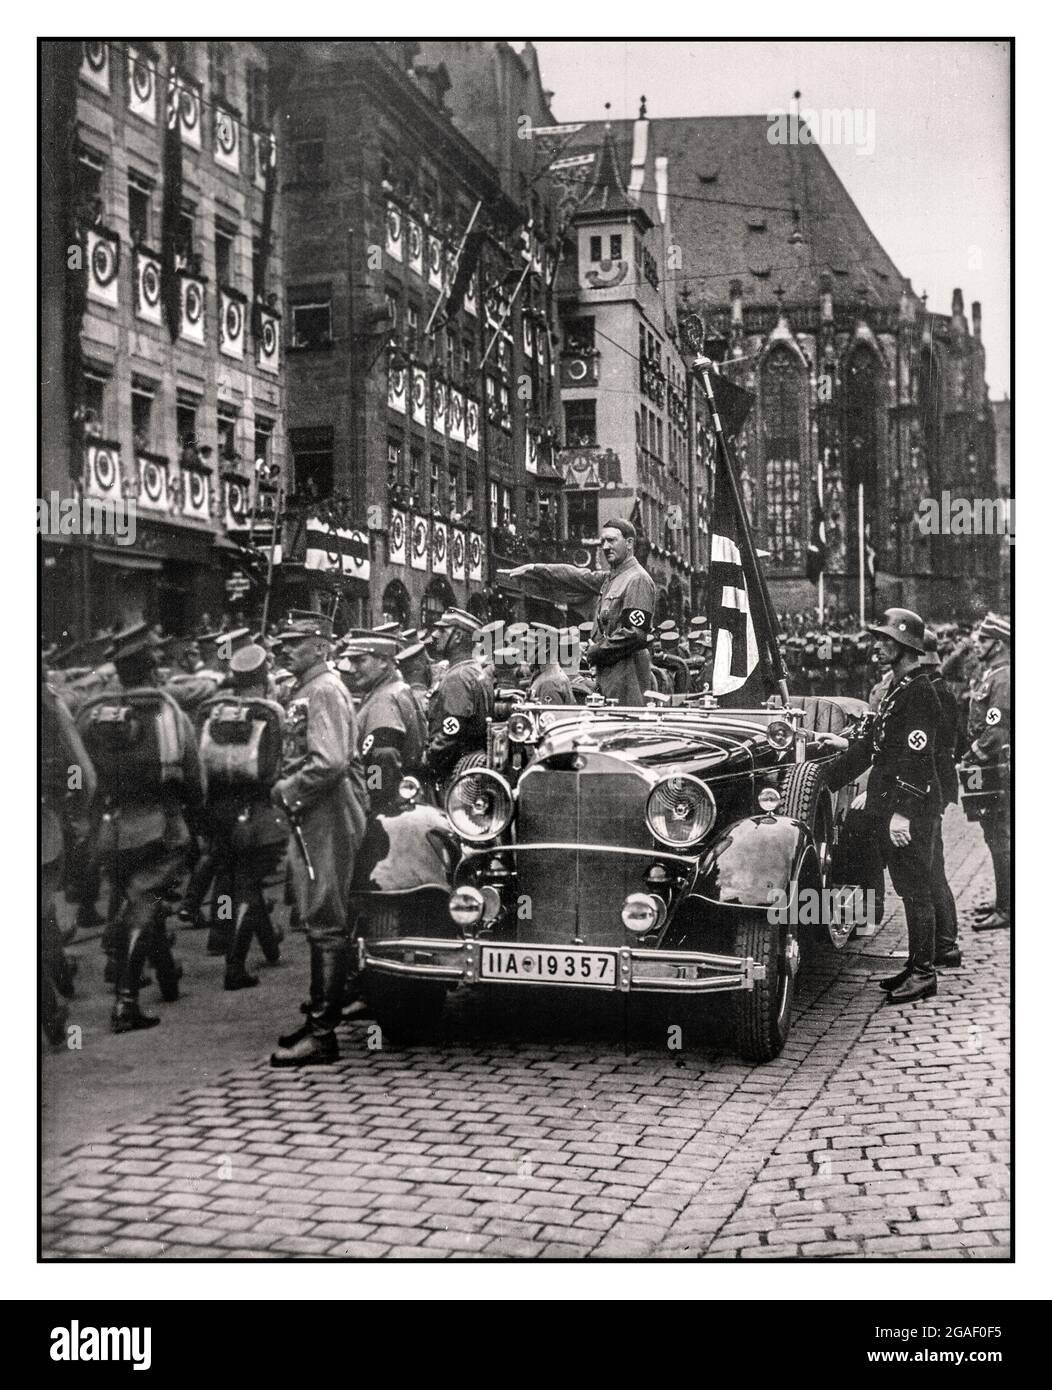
{"x":893,"y":981}
{"x":922,"y":981}
{"x":268,"y":935}
{"x":169,"y":971}
{"x":237,"y":977}
{"x":316,"y":1044}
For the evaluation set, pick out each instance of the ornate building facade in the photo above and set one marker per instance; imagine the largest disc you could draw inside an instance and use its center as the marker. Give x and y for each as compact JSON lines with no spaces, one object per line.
{"x":161,"y":333}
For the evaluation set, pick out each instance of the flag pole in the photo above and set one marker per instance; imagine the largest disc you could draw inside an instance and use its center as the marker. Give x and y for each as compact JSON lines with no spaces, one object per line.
{"x":861,"y":556}
{"x":444,"y":292}
{"x":702,"y":365}
{"x":821,"y":572}
{"x":270,"y":558}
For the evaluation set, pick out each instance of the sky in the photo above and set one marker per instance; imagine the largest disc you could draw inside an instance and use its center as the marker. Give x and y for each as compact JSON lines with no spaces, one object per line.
{"x":933,"y":183}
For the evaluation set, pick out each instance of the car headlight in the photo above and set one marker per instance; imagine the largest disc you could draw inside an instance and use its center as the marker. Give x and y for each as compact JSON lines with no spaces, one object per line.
{"x":479,"y":805}
{"x":680,"y":811}
{"x":522,"y":728}
{"x":780,"y":733}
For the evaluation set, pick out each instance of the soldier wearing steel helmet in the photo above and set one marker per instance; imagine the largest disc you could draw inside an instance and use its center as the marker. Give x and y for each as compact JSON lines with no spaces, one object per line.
{"x":903,"y":793}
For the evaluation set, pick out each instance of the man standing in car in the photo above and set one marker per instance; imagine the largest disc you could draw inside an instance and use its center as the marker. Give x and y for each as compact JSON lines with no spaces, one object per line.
{"x":624,"y":614}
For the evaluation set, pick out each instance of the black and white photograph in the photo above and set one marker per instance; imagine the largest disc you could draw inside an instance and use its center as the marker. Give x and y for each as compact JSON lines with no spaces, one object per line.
{"x":526,"y":539}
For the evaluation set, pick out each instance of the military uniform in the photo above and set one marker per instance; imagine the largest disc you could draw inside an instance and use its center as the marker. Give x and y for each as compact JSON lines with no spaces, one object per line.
{"x":143,"y":838}
{"x":899,"y":746}
{"x":989,"y":742}
{"x":946,"y":770}
{"x":623,"y":620}
{"x":456,"y":715}
{"x":392,"y":733}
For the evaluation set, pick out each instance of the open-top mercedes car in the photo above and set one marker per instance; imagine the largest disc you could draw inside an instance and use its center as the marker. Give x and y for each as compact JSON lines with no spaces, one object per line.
{"x":658,"y":850}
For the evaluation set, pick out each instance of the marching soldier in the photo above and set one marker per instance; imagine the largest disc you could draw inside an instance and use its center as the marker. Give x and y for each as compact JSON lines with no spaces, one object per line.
{"x":145,"y":753}
{"x":624,"y":614}
{"x":903,"y":790}
{"x":249,"y":833}
{"x":391,"y":730}
{"x":989,"y":743}
{"x":323,"y":792}
{"x":463,"y":699}
{"x":947,"y":951}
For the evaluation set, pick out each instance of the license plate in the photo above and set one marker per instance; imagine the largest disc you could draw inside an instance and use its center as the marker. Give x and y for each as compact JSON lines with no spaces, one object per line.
{"x":534,"y":965}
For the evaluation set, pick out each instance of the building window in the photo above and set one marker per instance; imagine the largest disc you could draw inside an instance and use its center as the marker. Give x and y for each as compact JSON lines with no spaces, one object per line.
{"x":139,"y":209}
{"x":312,"y":318}
{"x":580,"y":335}
{"x":467,"y":361}
{"x":493,"y":515}
{"x":312,"y":461}
{"x":218,"y":69}
{"x":308,"y":150}
{"x":394,"y":463}
{"x":453,"y":490}
{"x":94,"y":393}
{"x":186,"y":421}
{"x":184,"y":233}
{"x":436,"y":480}
{"x":412,"y":327}
{"x":87,"y":185}
{"x":142,"y":417}
{"x":595,"y":245}
{"x":224,"y":253}
{"x":615,"y":248}
{"x":258,"y":103}
{"x":226,"y":432}
{"x":580,"y":424}
{"x":415,"y":468}
{"x":505,"y":507}
{"x":582,"y":514}
{"x":781,"y":388}
{"x":263,"y":439}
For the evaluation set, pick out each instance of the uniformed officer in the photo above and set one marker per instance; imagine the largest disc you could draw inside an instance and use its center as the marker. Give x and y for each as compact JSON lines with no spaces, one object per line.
{"x":463,"y":699}
{"x":415,"y":668}
{"x":143,"y":834}
{"x":947,"y":950}
{"x":550,"y":684}
{"x":989,"y":744}
{"x":624,"y":614}
{"x":903,"y":791}
{"x":324,"y":791}
{"x":391,"y":730}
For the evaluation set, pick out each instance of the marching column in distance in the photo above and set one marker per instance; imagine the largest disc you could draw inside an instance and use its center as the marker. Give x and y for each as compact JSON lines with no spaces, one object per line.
{"x":145,"y":753}
{"x":324,"y":793}
{"x":903,"y":790}
{"x":989,"y":740}
{"x":624,"y":612}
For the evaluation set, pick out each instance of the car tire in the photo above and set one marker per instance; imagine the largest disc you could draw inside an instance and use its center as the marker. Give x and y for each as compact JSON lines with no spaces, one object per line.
{"x":764,"y":1013}
{"x":408,"y":1011}
{"x":805,"y":797}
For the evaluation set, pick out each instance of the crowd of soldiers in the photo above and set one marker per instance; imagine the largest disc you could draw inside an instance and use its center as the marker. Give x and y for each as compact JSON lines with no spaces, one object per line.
{"x":188,"y":770}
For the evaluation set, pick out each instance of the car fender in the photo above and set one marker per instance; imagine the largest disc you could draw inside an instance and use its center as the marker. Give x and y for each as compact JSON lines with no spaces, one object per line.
{"x":755,"y":860}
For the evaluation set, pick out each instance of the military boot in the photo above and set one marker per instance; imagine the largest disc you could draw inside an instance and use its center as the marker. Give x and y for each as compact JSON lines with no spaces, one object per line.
{"x":315,"y":1044}
{"x":237,"y":977}
{"x":922,"y":981}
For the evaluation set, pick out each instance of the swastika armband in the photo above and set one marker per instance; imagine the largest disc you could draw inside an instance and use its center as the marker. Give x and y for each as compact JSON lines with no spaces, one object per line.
{"x":638,"y":619}
{"x":367,"y":743}
{"x":993,"y":715}
{"x":451,"y":726}
{"x":917,"y":740}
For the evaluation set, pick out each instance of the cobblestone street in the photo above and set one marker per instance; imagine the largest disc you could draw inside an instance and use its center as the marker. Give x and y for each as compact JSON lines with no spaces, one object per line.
{"x":879,"y":1132}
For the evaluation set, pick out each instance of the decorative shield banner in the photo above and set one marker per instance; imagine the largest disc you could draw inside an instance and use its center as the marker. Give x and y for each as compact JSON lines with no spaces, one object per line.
{"x":439,"y":557}
{"x":456,"y":416}
{"x":419,"y":396}
{"x":235,"y":510}
{"x":95,"y":63}
{"x":192,"y":301}
{"x":414,"y":246}
{"x":153,"y":485}
{"x":104,"y":259}
{"x":231,"y":325}
{"x":196,"y":495}
{"x":474,"y":555}
{"x":438,"y":407}
{"x":418,"y":543}
{"x":147,"y":286}
{"x":102,"y":476}
{"x":396,"y":388}
{"x":471,"y":425}
{"x":227,"y":148}
{"x":396,"y":539}
{"x":269,"y":345}
{"x":142,"y":91}
{"x":457,"y":555}
{"x":393,"y":232}
{"x":434,"y":262}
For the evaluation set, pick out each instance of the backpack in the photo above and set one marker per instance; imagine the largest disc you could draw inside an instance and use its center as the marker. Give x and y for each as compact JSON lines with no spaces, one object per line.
{"x":241,"y":744}
{"x":134,"y":738}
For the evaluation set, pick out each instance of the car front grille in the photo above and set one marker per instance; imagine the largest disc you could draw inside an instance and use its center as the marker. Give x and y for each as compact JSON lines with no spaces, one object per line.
{"x":576,"y":894}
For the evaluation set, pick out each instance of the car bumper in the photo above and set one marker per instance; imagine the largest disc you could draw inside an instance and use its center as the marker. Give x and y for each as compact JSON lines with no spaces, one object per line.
{"x":639,"y":971}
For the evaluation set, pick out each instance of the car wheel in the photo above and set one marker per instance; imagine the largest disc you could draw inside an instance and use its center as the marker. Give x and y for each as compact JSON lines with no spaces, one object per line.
{"x":764,"y":1013}
{"x":408,"y":1011}
{"x":806,"y":798}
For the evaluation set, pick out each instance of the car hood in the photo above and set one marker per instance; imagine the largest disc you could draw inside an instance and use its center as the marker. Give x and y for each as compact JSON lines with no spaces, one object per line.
{"x":704,"y":744}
